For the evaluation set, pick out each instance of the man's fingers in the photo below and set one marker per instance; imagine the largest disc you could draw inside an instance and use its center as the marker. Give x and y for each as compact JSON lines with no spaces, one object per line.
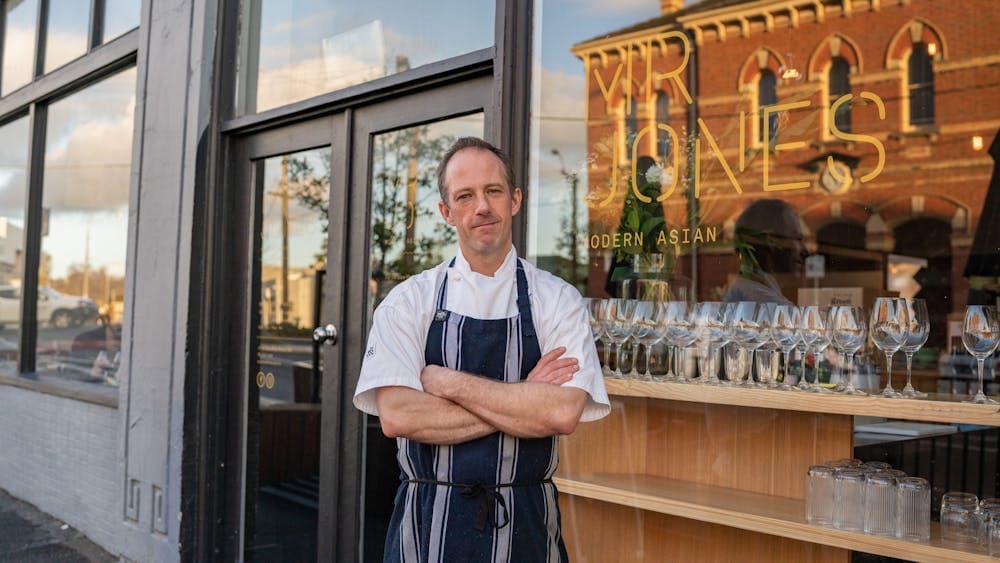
{"x":556,"y":370}
{"x":554,"y":354}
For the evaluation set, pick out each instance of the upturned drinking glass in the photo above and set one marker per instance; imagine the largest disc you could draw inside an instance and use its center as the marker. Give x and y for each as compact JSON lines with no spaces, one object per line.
{"x":880,"y":504}
{"x":785,"y":335}
{"x":889,"y":328}
{"x":819,"y":494}
{"x":849,"y":331}
{"x":980,"y":336}
{"x":913,"y":509}
{"x":959,"y":521}
{"x":849,"y":499}
{"x":916,"y":336}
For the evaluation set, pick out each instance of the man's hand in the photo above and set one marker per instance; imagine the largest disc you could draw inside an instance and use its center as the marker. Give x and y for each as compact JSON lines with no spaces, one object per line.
{"x":551,"y":368}
{"x":434,"y":379}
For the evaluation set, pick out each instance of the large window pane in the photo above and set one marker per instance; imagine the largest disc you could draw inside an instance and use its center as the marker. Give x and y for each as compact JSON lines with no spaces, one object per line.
{"x":120,"y":16}
{"x":292,"y":50}
{"x":81,"y":274}
{"x":19,"y":44}
{"x":13,"y":181}
{"x":66,"y":37}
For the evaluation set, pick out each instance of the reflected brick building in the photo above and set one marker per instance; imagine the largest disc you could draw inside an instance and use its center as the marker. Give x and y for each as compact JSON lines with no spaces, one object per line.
{"x":917,"y":80}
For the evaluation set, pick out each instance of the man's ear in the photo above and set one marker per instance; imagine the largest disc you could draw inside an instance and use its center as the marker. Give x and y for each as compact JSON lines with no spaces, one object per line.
{"x":445,"y":213}
{"x":516,"y":197}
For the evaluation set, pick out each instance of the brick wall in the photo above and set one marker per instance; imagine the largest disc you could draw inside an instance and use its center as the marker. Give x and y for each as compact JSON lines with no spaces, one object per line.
{"x":61,"y":455}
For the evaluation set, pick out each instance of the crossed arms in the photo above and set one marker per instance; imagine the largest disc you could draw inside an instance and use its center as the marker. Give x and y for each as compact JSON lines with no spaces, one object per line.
{"x":456,"y":407}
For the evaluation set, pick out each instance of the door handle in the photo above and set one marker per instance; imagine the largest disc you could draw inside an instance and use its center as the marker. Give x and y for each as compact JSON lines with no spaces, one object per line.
{"x":326,"y":334}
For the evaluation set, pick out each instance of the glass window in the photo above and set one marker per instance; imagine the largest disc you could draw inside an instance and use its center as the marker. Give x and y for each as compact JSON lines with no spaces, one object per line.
{"x":81,"y":275}
{"x":663,"y":140}
{"x":840,"y":84}
{"x":293,"y":50}
{"x":767,"y":96}
{"x":921,"y":77}
{"x":66,"y":36}
{"x":120,"y":16}
{"x":18,"y":44}
{"x":13,"y":183}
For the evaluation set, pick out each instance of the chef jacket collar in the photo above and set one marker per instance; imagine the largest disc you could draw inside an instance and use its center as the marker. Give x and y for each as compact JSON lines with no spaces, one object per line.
{"x":506,"y":268}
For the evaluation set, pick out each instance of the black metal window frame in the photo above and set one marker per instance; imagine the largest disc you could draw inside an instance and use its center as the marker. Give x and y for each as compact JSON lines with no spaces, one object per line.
{"x":920,"y":85}
{"x":32,"y":101}
{"x":211,"y":421}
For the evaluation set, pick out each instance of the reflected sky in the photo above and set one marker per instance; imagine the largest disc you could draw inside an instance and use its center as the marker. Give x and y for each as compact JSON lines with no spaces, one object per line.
{"x":308,"y":47}
{"x":120,"y":16}
{"x":19,"y":44}
{"x":13,"y":164}
{"x":66,"y":37}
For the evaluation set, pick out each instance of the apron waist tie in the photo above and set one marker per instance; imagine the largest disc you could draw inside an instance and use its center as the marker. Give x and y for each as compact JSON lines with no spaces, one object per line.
{"x":489,"y":497}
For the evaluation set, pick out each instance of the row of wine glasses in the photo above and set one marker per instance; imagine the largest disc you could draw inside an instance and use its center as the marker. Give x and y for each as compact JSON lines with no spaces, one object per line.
{"x":746,"y":329}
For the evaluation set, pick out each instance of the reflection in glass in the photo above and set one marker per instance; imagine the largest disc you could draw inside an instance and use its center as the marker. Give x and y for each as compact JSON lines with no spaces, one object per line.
{"x":286,"y":410}
{"x":19,"y":44}
{"x":120,"y":16}
{"x":13,"y":181}
{"x":66,"y":36}
{"x":293,"y":50}
{"x":81,"y":273}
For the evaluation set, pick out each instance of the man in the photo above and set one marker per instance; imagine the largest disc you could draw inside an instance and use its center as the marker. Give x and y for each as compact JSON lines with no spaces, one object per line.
{"x":476,"y":366}
{"x":768,"y":241}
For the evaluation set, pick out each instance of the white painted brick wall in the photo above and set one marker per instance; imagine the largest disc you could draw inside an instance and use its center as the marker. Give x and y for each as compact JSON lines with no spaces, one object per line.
{"x":61,"y":455}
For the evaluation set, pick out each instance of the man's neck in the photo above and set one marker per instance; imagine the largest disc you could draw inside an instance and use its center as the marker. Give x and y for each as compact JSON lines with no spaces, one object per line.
{"x":486,"y":265}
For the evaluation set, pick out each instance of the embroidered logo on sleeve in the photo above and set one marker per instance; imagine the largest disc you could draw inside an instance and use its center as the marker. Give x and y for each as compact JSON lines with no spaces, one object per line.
{"x":371,"y":351}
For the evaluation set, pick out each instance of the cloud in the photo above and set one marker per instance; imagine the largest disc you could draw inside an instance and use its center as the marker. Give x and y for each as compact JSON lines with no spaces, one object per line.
{"x":604,"y":7}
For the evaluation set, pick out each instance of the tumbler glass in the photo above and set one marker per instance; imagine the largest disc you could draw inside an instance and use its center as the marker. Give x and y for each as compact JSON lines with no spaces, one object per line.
{"x":959,"y":520}
{"x":819,"y":495}
{"x":849,"y":500}
{"x":993,"y":534}
{"x":878,"y":465}
{"x":913,"y":509}
{"x":880,"y":504}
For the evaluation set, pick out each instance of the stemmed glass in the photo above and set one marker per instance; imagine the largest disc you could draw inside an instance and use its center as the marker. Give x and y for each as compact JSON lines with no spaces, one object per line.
{"x":802,"y":347}
{"x":619,"y":328}
{"x":916,"y":337}
{"x":889,"y":327}
{"x":785,"y":334}
{"x":816,"y":335}
{"x":980,"y":335}
{"x":715,"y":331}
{"x":597,"y":307}
{"x":681,"y":331}
{"x":750,"y":329}
{"x":645,"y":331}
{"x":849,"y":332}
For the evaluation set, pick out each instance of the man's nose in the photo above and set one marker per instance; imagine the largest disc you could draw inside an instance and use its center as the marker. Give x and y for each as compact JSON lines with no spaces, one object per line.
{"x":482,"y":203}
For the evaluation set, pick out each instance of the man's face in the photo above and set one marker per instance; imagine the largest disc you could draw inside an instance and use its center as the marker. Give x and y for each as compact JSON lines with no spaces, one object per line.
{"x":479,"y":204}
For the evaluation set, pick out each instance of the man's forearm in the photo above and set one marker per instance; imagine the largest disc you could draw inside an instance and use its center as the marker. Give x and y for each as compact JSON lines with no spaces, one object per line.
{"x":526,"y":409}
{"x":425,"y":418}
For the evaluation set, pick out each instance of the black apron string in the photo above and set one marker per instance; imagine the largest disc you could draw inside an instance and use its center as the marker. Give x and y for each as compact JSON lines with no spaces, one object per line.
{"x":489,"y":498}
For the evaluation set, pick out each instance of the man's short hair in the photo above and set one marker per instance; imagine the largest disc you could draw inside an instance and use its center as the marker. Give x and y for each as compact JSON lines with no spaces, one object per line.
{"x":478,"y":144}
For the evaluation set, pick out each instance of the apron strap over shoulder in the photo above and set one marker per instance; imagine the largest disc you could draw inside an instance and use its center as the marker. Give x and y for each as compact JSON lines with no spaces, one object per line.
{"x":524,"y":301}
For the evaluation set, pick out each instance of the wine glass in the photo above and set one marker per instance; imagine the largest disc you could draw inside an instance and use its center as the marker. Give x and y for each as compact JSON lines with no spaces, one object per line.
{"x":802,"y":348}
{"x":596,"y":307}
{"x":619,"y":328}
{"x":916,"y":337}
{"x":849,"y":332}
{"x":751,"y":323}
{"x":889,"y":327}
{"x":980,"y":335}
{"x":785,"y":334}
{"x":681,"y":331}
{"x":816,"y":335}
{"x":714,"y":331}
{"x":645,"y":331}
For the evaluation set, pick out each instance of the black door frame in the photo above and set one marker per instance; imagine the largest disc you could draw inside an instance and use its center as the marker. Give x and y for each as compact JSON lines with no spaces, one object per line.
{"x":217,"y":324}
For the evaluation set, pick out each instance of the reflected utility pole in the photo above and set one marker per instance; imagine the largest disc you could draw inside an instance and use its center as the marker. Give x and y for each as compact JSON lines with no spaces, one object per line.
{"x":283,"y":194}
{"x":574,"y":252}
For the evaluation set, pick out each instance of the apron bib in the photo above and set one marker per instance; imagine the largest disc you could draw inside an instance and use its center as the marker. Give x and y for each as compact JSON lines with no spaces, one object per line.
{"x":489,"y":499}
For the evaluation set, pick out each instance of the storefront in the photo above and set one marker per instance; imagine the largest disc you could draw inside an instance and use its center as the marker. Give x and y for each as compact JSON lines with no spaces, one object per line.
{"x":206,"y":200}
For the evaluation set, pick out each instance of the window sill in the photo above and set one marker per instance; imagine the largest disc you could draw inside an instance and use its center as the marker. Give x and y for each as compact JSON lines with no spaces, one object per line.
{"x":930,"y":132}
{"x":84,"y":395}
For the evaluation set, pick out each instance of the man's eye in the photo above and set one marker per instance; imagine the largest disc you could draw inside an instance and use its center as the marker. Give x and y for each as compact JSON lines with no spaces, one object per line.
{"x":462,"y":197}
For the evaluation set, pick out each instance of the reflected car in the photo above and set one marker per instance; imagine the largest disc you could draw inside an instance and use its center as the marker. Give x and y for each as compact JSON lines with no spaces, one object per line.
{"x":54,"y":308}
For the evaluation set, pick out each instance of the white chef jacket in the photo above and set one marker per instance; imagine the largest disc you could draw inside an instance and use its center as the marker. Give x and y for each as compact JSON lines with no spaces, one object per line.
{"x":395,"y":352}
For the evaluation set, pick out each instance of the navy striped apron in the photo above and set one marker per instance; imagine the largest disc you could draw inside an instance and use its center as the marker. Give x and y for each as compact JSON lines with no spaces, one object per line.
{"x":489,"y":499}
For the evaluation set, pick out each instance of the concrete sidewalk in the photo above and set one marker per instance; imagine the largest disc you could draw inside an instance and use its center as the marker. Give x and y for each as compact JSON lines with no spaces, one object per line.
{"x":29,"y":535}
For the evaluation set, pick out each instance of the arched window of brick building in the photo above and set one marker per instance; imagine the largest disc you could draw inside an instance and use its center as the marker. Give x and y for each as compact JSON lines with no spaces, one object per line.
{"x":843,"y":244}
{"x":662,"y":118}
{"x":631,"y":124}
{"x":840,"y":84}
{"x":921,"y":85}
{"x":767,"y":95}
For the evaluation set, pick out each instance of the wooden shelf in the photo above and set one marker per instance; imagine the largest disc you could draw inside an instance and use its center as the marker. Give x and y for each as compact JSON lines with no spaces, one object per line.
{"x":777,"y":516}
{"x":935,"y":408}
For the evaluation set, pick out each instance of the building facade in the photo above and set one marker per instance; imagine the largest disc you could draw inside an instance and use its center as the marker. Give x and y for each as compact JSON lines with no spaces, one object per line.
{"x":204,"y":201}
